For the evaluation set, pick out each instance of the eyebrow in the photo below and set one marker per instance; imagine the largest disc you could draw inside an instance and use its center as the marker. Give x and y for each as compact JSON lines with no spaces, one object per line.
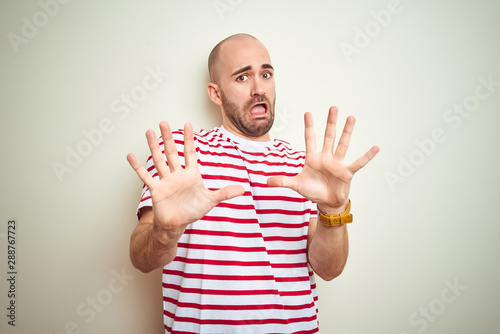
{"x":249,"y":67}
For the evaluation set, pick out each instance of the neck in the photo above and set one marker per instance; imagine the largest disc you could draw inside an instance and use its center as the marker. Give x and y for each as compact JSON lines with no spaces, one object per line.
{"x":232,"y":129}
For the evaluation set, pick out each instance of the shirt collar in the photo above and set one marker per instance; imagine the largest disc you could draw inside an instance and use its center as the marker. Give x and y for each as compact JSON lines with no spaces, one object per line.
{"x":245,"y":142}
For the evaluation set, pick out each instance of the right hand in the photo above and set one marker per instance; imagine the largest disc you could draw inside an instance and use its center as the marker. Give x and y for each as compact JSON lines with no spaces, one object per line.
{"x":179,"y":196}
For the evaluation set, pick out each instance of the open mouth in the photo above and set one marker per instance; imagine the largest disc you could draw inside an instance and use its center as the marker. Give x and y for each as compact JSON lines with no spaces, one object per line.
{"x":259,"y":109}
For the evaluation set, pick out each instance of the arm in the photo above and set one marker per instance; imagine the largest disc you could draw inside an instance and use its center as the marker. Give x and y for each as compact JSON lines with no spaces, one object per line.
{"x":326,"y":180}
{"x":328,"y":248}
{"x":179,"y":198}
{"x":150,"y":247}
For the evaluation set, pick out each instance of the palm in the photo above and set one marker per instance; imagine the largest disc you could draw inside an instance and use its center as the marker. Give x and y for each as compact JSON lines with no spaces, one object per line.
{"x":179,"y":196}
{"x":325,"y":178}
{"x":186,"y":193}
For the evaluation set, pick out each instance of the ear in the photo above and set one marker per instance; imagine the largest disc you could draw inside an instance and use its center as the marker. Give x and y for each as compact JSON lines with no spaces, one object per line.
{"x":213,"y":93}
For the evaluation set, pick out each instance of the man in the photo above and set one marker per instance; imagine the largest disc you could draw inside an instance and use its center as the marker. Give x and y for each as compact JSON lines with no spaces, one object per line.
{"x":231,"y":216}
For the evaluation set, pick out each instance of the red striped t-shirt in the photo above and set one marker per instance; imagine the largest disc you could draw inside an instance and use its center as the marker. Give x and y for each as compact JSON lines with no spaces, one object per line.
{"x":243,"y":267}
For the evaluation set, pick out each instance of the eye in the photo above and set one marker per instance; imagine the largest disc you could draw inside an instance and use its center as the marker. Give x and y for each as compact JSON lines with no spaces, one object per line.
{"x":267,"y":75}
{"x":242,"y":78}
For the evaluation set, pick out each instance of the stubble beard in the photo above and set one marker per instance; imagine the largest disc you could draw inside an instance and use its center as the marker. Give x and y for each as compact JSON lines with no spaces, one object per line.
{"x":239,"y":117}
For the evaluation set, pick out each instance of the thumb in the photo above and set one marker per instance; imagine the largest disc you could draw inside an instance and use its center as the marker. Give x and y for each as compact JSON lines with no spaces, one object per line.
{"x":228,"y":192}
{"x":281,"y":181}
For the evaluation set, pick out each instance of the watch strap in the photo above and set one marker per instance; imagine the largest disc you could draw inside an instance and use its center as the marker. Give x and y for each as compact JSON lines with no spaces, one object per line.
{"x":339,"y":219}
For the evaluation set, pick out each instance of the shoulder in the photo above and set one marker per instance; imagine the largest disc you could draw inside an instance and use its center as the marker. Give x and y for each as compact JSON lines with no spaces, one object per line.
{"x":202,"y":136}
{"x":205,"y":140}
{"x":284,"y":148}
{"x":213,"y":139}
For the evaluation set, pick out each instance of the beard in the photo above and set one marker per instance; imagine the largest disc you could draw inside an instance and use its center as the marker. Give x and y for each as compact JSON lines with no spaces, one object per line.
{"x":240,"y":117}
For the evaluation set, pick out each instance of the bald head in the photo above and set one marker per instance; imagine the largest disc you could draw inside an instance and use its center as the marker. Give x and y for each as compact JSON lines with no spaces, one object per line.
{"x":242,"y":84}
{"x":214,"y":58}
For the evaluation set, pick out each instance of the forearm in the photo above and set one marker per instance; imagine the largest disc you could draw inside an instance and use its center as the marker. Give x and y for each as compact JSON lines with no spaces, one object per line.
{"x":328,"y":250}
{"x":151,"y":248}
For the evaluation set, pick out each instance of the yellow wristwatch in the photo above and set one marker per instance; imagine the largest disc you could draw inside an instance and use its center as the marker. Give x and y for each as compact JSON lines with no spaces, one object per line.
{"x":336,"y":219}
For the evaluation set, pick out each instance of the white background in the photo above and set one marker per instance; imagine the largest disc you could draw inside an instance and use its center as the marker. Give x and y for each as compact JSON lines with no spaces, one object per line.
{"x":420,"y":225}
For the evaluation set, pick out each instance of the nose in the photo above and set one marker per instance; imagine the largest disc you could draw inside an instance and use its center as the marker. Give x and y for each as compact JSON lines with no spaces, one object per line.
{"x":258,"y":87}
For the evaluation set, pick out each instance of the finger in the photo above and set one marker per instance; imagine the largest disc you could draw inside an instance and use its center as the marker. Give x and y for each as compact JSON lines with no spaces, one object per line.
{"x":309,"y":135}
{"x":169,"y":147}
{"x":140,"y":170}
{"x":345,"y":138}
{"x":330,"y":131}
{"x":228,"y":192}
{"x":282,"y":181}
{"x":156,"y":154}
{"x":361,"y":162}
{"x":189,"y":146}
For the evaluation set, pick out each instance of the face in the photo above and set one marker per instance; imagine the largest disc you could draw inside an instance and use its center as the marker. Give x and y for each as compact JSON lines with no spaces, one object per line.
{"x":246,"y":91}
{"x":252,"y":119}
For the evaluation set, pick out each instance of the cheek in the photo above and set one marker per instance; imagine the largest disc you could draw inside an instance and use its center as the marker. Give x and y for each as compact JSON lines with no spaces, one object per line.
{"x":242,"y":93}
{"x":271,"y":88}
{"x":238,"y":94}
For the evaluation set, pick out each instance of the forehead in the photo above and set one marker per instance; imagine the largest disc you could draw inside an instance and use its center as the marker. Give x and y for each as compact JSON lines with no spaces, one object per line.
{"x":242,"y":52}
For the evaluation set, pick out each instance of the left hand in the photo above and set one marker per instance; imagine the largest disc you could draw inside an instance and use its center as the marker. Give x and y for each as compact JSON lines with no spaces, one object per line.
{"x":326,"y":178}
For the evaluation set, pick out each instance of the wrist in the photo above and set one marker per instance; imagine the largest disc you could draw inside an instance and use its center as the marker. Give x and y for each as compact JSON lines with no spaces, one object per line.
{"x":166,"y":237}
{"x":335,"y":219}
{"x":331,"y":209}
